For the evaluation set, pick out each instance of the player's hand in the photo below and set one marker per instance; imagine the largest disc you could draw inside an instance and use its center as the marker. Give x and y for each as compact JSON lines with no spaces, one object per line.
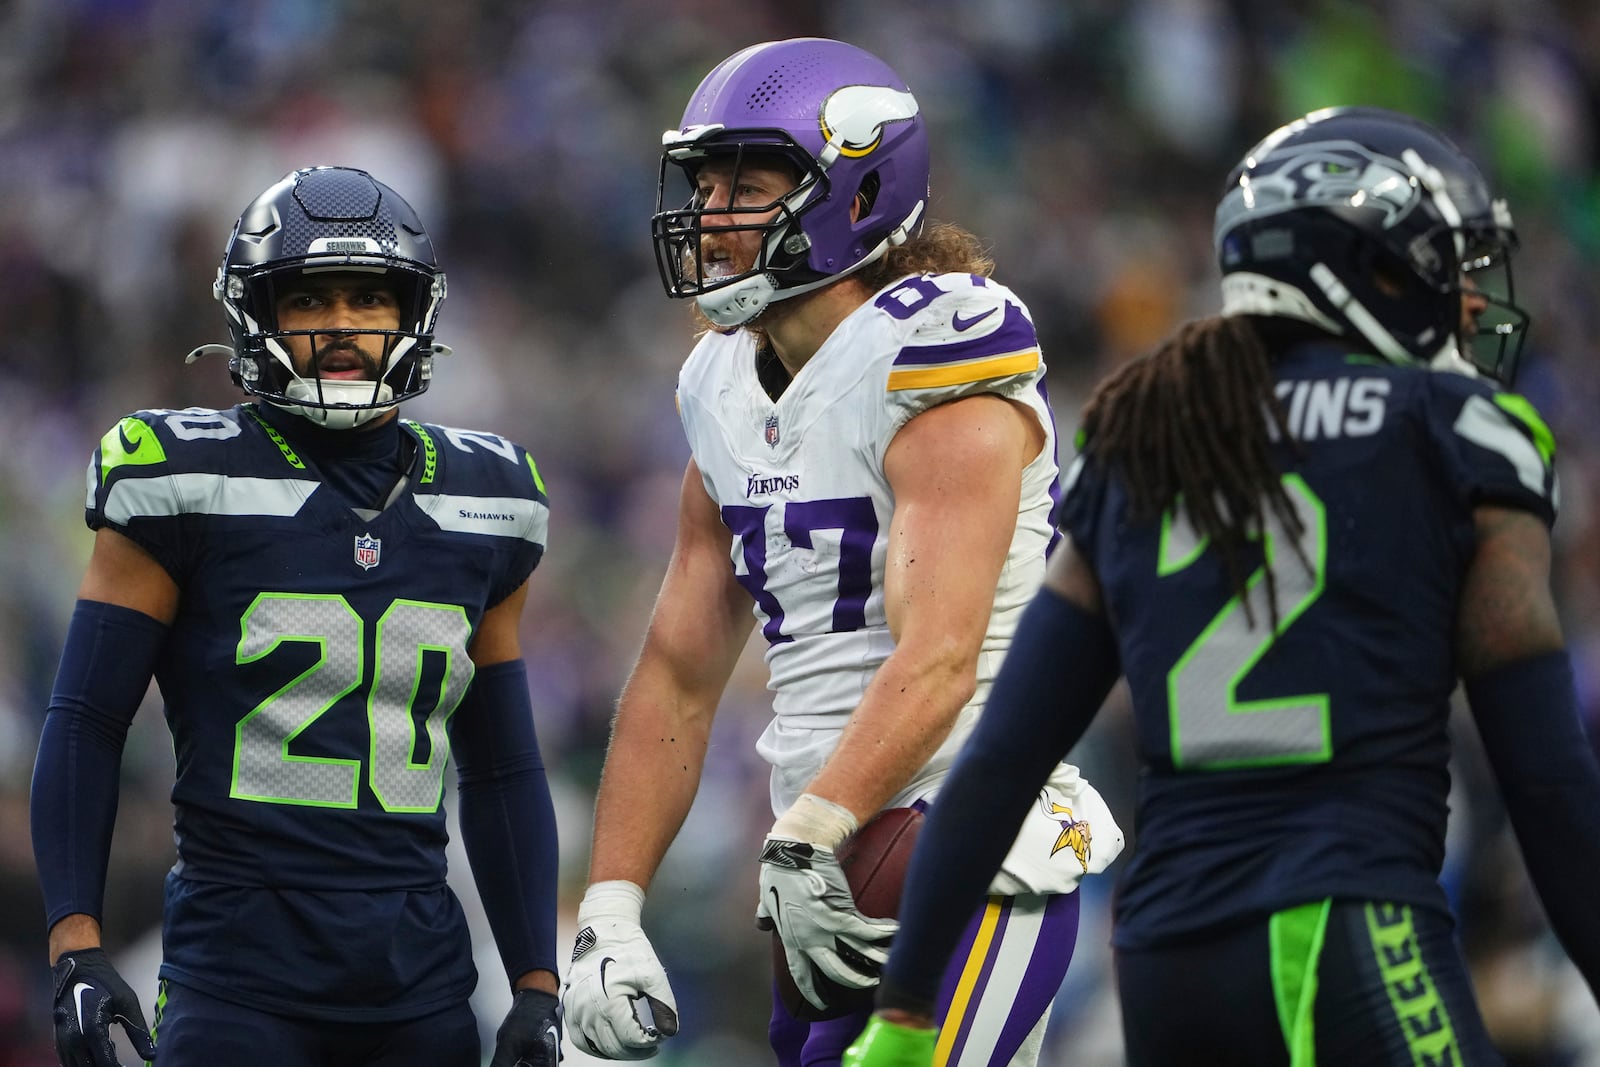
{"x":887,"y":1044}
{"x":89,"y":996}
{"x":618,"y":1002}
{"x":530,"y":1036}
{"x":805,"y":897}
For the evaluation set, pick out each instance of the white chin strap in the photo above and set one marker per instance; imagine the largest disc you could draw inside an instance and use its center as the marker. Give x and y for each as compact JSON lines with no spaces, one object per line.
{"x":739,"y":302}
{"x":338,"y":392}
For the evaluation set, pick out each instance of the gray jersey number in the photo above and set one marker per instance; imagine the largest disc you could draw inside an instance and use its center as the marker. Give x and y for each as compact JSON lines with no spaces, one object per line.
{"x":1211,"y":728}
{"x":265,"y":767}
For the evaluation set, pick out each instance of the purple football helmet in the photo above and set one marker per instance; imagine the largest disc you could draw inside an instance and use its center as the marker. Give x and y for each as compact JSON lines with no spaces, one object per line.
{"x":852,"y":131}
{"x":1374,"y":227}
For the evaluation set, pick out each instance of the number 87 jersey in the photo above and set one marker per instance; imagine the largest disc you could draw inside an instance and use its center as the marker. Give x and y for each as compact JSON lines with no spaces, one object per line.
{"x":800,"y":483}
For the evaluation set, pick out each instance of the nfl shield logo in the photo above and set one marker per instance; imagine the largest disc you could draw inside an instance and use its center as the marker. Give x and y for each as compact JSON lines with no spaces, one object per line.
{"x":772,"y":431}
{"x":367,"y":548}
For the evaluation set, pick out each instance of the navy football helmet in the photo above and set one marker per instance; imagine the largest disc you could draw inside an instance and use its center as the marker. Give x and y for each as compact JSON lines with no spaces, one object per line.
{"x":1376,"y":228}
{"x":852,"y":131}
{"x":328,"y":219}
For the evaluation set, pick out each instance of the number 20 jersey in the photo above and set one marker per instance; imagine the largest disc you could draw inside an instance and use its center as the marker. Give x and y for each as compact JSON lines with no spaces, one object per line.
{"x":1283,"y":771}
{"x":800,"y":483}
{"x":309,"y":678}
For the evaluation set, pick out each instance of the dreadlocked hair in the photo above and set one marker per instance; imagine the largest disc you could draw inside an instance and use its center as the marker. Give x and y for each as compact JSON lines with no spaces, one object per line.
{"x":1188,"y":425}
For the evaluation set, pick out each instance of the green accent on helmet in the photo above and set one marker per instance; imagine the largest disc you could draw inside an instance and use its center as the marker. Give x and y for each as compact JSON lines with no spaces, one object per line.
{"x":131,"y":441}
{"x":1518,"y":406}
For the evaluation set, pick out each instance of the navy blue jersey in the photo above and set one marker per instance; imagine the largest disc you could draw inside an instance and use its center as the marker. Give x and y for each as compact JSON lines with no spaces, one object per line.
{"x":1279,"y":771}
{"x":309,"y":679}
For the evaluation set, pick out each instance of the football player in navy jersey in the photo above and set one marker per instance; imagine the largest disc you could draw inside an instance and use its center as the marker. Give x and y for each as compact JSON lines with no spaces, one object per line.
{"x":328,"y":597}
{"x":1293,"y":529}
{"x":873,"y":469}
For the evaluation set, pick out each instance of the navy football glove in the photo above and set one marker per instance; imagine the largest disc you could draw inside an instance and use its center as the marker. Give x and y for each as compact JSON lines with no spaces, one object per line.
{"x":531,"y":1033}
{"x":89,"y":996}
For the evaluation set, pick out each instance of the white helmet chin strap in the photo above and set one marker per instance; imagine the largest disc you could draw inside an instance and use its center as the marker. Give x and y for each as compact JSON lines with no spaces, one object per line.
{"x":736,"y":304}
{"x":338,"y":392}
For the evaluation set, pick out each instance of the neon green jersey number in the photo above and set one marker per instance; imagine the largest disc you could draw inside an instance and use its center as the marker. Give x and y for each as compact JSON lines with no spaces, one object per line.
{"x":264,"y":767}
{"x":1211,"y":728}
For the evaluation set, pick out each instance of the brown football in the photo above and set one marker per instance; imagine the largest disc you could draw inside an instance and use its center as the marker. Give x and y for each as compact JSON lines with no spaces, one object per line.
{"x":874,"y":860}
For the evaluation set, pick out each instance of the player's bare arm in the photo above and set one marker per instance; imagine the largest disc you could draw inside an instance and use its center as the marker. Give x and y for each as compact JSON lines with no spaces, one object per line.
{"x":956,"y":472}
{"x":699,"y":626}
{"x":1506,"y":612}
{"x":1071,"y":576}
{"x":122,"y":573}
{"x":499,"y":637}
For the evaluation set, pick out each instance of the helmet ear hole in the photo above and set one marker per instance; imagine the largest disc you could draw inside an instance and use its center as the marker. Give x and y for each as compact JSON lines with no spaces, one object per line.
{"x":866,"y":196}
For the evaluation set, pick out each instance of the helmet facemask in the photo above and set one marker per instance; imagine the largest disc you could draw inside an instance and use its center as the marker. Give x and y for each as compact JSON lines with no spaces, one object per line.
{"x":264,"y":365}
{"x":1493,"y":326}
{"x":780,"y":260}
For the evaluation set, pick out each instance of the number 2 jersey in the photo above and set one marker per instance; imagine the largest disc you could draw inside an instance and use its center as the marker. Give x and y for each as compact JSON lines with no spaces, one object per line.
{"x":308,"y":679}
{"x":1282,"y":771}
{"x":801,"y":485}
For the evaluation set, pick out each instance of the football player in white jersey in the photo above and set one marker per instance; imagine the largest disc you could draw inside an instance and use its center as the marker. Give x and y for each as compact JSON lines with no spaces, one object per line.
{"x":874,"y":466}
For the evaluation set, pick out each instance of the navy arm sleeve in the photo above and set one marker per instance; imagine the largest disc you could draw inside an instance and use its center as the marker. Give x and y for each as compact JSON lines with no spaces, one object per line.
{"x":1528,"y":718}
{"x":106,"y":665}
{"x":508,"y":821}
{"x":1061,"y":665}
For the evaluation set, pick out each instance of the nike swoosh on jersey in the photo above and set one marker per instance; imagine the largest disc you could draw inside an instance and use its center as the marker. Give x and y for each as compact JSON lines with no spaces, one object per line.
{"x":77,"y":999}
{"x":958,"y":323}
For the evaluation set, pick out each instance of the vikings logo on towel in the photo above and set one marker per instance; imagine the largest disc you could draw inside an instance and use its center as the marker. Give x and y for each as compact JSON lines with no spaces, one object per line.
{"x":367,"y":549}
{"x":1075,"y":833}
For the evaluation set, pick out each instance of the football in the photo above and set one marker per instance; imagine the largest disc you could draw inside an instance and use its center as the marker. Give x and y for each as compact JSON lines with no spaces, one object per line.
{"x":874,"y":860}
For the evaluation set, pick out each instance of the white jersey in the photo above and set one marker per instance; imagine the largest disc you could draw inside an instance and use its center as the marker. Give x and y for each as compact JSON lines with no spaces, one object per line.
{"x":800,"y":483}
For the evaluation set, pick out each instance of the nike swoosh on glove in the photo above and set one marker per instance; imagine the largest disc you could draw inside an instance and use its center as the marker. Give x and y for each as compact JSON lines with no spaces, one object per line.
{"x":617,"y":1002}
{"x":531,"y":1032}
{"x":89,"y":996}
{"x":804,"y":896}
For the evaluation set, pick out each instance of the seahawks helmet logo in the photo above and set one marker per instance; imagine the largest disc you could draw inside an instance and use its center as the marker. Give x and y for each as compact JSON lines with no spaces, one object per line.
{"x":853,"y":118}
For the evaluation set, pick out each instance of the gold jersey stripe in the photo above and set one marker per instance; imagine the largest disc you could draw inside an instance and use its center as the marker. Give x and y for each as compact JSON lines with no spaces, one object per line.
{"x":961,"y":373}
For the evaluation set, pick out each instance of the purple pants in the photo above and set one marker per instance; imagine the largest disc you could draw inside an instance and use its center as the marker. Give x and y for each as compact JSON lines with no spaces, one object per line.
{"x":1005,"y":972}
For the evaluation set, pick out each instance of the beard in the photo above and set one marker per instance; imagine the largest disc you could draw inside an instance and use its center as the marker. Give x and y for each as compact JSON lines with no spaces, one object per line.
{"x":337,"y":352}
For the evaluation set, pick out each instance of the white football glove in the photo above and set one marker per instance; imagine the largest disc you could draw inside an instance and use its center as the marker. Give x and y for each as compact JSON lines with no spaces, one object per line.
{"x":805,"y":897}
{"x":618,"y":1004}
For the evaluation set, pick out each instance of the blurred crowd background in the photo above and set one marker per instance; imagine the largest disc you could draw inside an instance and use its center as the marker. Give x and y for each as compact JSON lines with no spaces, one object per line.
{"x":1085,"y":141}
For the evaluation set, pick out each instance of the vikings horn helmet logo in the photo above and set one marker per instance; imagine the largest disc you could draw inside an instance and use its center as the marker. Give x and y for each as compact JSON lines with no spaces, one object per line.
{"x":853,"y":118}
